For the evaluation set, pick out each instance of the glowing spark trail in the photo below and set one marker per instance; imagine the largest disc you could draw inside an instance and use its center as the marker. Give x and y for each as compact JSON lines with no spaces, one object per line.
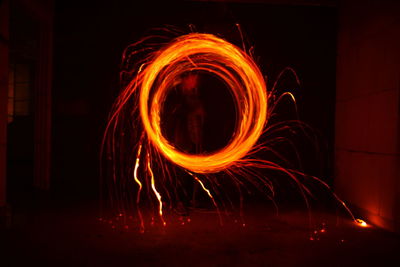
{"x":361,"y":223}
{"x":156,"y":193}
{"x":139,"y":107}
{"x":140,"y":188}
{"x":205,"y":189}
{"x":135,"y":173}
{"x":214,"y":55}
{"x":210,"y":195}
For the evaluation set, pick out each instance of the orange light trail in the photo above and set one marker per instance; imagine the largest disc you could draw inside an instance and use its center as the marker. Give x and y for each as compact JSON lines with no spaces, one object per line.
{"x":142,"y":100}
{"x":208,"y":53}
{"x":205,"y":189}
{"x":135,"y":173}
{"x":210,"y":195}
{"x":156,"y":193}
{"x":140,"y":188}
{"x":361,"y":223}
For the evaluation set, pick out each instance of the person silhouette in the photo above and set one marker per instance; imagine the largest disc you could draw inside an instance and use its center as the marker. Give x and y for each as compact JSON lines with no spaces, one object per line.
{"x":189,"y":115}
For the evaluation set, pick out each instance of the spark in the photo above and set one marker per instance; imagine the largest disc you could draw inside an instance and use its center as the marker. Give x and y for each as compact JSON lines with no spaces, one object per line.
{"x":135,"y":176}
{"x":156,"y":193}
{"x":210,"y":195}
{"x":159,"y":73}
{"x":143,"y":98}
{"x":135,"y":173}
{"x":361,"y":223}
{"x":215,"y":55}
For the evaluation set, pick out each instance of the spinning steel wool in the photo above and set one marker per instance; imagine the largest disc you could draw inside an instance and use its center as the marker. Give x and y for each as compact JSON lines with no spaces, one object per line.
{"x":135,"y":123}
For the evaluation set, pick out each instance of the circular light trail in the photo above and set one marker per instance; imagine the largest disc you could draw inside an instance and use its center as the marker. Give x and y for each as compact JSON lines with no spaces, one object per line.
{"x":163,"y":71}
{"x":207,"y":53}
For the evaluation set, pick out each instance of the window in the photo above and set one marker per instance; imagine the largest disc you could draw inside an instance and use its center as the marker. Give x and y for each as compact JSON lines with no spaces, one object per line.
{"x":19,"y":90}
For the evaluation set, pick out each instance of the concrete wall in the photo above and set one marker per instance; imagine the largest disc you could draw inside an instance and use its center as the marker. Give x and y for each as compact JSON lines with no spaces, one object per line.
{"x":367,"y":109}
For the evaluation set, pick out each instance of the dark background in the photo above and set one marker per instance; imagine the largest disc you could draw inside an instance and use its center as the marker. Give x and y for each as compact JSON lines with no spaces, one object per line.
{"x":60,"y":225}
{"x":90,"y":36}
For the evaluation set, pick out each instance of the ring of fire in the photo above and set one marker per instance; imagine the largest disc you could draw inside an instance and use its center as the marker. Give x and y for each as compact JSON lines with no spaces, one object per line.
{"x":205,"y":52}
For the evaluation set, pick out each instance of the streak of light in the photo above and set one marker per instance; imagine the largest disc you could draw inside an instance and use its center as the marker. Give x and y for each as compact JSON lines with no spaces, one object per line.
{"x":210,"y":195}
{"x":156,"y":193}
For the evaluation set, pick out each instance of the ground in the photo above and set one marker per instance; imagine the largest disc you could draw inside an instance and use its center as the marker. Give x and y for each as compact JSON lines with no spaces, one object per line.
{"x":74,"y":235}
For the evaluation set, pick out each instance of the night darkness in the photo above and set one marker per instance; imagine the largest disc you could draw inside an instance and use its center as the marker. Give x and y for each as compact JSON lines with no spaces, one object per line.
{"x":62,"y":61}
{"x":86,"y":49}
